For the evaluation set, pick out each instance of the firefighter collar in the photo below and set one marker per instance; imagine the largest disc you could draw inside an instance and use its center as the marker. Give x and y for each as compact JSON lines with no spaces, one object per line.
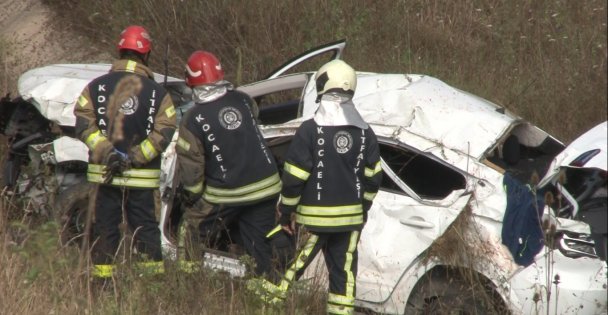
{"x":337,"y":110}
{"x":210,"y":92}
{"x":132,"y":66}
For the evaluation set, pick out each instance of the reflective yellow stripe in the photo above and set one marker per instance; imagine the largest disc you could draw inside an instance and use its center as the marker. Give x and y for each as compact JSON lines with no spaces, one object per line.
{"x":371,"y":172}
{"x":369,"y":196}
{"x":350,"y":278}
{"x":330,"y":211}
{"x":82,"y":101}
{"x":134,"y":172}
{"x":103,"y":271}
{"x":196,"y":188}
{"x":290,"y":201}
{"x":274,"y":231}
{"x":182,"y":143}
{"x":131,"y":66}
{"x":94,"y":139}
{"x":238,"y":191}
{"x":340,"y":309}
{"x":329,"y":221}
{"x":296,"y":171}
{"x":170,"y":111}
{"x":125,"y":181}
{"x":151,"y":267}
{"x":148,"y":150}
{"x":300,"y":261}
{"x":262,"y":193}
{"x":341,"y":299}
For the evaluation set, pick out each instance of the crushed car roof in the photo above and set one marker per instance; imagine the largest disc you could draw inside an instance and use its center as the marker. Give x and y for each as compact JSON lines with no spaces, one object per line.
{"x":54,"y":89}
{"x":427,"y":107}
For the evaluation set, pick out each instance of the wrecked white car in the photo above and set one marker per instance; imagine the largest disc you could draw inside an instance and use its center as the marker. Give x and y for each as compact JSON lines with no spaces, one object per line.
{"x":453,"y":224}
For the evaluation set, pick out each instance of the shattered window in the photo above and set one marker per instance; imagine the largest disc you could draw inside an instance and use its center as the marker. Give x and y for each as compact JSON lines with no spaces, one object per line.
{"x":425,"y":176}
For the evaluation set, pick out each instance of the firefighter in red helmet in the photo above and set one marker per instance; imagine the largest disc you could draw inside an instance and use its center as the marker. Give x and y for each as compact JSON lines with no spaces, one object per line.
{"x":228,"y":173}
{"x":127,"y":120}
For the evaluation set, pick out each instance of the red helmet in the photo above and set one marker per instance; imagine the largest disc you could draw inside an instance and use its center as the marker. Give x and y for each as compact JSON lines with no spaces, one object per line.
{"x":135,"y":38}
{"x":203,"y":68}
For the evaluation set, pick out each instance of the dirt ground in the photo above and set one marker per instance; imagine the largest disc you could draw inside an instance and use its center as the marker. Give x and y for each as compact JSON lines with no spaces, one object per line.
{"x":30,"y":37}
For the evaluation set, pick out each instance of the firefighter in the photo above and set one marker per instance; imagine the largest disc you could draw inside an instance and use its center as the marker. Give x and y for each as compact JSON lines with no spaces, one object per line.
{"x":228,"y":174}
{"x":331,"y":175}
{"x":126,"y":119}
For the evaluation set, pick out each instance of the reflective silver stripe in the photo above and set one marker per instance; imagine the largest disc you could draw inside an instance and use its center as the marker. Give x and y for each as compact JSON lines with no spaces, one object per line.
{"x":330,"y":211}
{"x":125,"y":181}
{"x":262,"y":193}
{"x":94,"y":139}
{"x":290,"y":201}
{"x":296,"y":171}
{"x":329,"y":221}
{"x":341,"y":299}
{"x":238,"y":191}
{"x":196,"y":188}
{"x":369,"y":196}
{"x":148,"y":150}
{"x":134,"y":172}
{"x":340,"y":309}
{"x":371,"y":172}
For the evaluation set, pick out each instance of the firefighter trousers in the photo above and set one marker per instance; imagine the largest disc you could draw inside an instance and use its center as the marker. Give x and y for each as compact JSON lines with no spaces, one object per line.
{"x":207,"y":225}
{"x":140,"y":212}
{"x":341,"y":258}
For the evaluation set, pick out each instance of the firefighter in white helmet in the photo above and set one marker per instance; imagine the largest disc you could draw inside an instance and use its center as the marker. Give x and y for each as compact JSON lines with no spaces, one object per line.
{"x":229,"y":176}
{"x":331,"y":175}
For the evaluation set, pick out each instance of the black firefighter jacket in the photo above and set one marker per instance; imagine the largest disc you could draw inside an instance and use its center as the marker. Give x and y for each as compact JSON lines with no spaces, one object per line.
{"x":332,"y":174}
{"x":126,"y":110}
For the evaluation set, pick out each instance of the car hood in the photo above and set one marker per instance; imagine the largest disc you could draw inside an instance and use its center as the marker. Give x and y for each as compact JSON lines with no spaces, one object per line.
{"x":586,"y":151}
{"x":53,"y":89}
{"x":427,"y":107}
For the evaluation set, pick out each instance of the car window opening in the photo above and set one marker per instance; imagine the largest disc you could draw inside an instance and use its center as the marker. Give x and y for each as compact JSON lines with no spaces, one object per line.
{"x":425,"y":176}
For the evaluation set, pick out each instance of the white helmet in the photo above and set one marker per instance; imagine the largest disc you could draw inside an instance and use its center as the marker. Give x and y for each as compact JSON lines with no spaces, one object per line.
{"x":336,"y":76}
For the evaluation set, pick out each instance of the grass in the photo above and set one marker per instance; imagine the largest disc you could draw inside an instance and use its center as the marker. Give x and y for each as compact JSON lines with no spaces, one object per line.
{"x":544,"y":60}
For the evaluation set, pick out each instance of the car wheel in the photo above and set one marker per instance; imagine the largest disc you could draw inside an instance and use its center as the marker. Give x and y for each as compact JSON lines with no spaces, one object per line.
{"x":452,"y":294}
{"x":71,"y":207}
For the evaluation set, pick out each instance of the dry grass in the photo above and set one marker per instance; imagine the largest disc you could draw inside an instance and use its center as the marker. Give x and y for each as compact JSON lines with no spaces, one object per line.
{"x":545,"y":60}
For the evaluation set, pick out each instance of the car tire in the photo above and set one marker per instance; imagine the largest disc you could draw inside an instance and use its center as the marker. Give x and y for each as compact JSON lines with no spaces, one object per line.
{"x":71,"y":210}
{"x":449,"y":293}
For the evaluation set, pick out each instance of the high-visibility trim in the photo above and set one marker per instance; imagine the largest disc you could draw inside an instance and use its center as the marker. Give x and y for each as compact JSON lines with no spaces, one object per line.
{"x":196,"y":188}
{"x":298,"y":264}
{"x":148,"y":150}
{"x":94,"y":139}
{"x":290,"y":201}
{"x":340,"y":309}
{"x":371,"y":172}
{"x":257,"y":195}
{"x":125,"y":181}
{"x":131,"y":66}
{"x":341,"y":299}
{"x":151,"y":267}
{"x":369,"y":196}
{"x":330,"y":211}
{"x":329,"y":221}
{"x":350,"y":278}
{"x":134,"y":172}
{"x":170,"y":111}
{"x":182,"y":143}
{"x":296,"y":171}
{"x":238,"y":191}
{"x":274,"y":231}
{"x":103,"y":271}
{"x":82,"y":101}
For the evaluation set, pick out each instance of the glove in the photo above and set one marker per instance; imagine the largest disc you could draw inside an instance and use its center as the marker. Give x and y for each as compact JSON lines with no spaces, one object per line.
{"x":116,"y":162}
